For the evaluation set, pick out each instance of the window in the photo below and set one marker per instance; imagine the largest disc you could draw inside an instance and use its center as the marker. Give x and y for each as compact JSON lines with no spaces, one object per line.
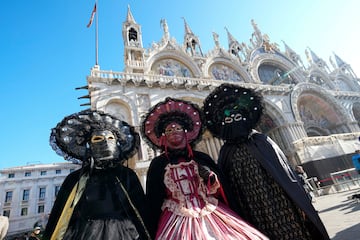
{"x":24,"y":211}
{"x":26,"y":194}
{"x":6,"y":213}
{"x":27,"y":174}
{"x":57,"y":171}
{"x":8,"y":196}
{"x":132,"y":34}
{"x":57,"y":188}
{"x":42,"y":192}
{"x":274,"y":75}
{"x":41,"y":209}
{"x":11,"y":175}
{"x":43,"y":173}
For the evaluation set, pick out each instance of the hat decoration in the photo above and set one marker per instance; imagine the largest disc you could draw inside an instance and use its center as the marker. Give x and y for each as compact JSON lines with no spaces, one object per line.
{"x":186,"y":114}
{"x":229,"y":97}
{"x":70,"y":138}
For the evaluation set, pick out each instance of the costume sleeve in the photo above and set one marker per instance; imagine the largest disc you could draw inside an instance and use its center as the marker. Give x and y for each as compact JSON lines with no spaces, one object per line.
{"x":60,"y":201}
{"x":205,"y":160}
{"x":155,"y":191}
{"x":137,"y":196}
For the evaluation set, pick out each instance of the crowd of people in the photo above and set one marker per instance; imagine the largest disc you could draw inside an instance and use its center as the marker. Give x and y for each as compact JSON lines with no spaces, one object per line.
{"x":249,"y":192}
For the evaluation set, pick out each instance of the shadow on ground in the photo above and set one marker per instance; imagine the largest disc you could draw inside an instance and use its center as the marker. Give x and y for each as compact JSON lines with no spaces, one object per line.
{"x":351,"y":233}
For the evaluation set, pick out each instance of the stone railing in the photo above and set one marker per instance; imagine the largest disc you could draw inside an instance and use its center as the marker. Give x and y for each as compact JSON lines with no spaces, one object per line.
{"x":175,"y":81}
{"x":134,"y":63}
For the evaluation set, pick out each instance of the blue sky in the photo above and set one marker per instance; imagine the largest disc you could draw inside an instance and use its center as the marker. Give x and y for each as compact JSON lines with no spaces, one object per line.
{"x":47,"y":51}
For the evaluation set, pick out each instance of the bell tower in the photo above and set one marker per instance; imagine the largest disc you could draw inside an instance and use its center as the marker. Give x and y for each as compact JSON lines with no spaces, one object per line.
{"x":133,"y":47}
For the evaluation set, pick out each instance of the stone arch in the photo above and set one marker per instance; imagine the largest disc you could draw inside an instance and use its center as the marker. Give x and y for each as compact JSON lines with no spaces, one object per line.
{"x":290,"y":71}
{"x":125,"y":109}
{"x":234,"y":71}
{"x":174,"y":56}
{"x":273,"y":117}
{"x":321,"y":79}
{"x":317,"y":109}
{"x":313,"y":130}
{"x":120,"y":106}
{"x":274,"y":124}
{"x":343,"y":83}
{"x":195,"y":97}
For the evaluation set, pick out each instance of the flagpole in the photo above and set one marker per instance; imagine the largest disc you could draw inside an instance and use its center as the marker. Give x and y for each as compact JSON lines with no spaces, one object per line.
{"x":96,"y":35}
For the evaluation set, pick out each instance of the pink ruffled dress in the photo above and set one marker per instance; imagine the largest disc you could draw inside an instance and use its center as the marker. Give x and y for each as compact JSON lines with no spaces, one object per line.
{"x":191,"y":211}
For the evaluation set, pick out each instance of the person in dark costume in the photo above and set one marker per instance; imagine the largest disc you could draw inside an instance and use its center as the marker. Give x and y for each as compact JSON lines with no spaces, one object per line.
{"x":263,"y":188}
{"x":103,"y":200}
{"x":183,"y":189}
{"x":35,"y":234}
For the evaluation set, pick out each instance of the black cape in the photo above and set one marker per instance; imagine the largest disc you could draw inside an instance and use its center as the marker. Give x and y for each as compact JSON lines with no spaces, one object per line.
{"x":272,"y":159}
{"x":132,"y":185}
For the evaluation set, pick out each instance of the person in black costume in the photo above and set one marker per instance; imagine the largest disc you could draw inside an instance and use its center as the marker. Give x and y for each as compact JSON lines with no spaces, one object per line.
{"x":104,"y":199}
{"x":35,"y":234}
{"x":263,"y":188}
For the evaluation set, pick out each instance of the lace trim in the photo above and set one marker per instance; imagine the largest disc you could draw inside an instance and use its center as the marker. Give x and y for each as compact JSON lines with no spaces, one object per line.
{"x":197,"y":199}
{"x":177,"y":209}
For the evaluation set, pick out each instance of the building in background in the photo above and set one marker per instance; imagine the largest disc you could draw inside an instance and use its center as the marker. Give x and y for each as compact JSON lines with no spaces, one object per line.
{"x":28,"y":193}
{"x":312,"y":108}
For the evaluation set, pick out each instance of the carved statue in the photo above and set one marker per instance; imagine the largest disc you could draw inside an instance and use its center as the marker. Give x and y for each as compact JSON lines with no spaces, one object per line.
{"x":163,"y":23}
{"x":308,"y":56}
{"x":216,"y":39}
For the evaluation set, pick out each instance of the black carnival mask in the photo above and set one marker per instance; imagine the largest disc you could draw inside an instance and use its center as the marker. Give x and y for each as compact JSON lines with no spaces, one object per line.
{"x":236,"y":123}
{"x":103,"y":145}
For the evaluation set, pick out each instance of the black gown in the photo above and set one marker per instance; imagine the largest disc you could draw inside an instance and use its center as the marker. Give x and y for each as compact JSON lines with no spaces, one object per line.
{"x":112,"y":206}
{"x":269,"y":198}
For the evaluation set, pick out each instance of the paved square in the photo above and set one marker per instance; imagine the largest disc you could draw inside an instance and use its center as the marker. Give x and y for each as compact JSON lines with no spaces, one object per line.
{"x":340,"y":214}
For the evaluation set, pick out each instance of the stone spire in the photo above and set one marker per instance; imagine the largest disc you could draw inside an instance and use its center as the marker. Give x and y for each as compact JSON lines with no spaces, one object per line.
{"x":235,"y":48}
{"x":231,"y":38}
{"x":339,"y":62}
{"x":187,"y":28}
{"x":343,"y":66}
{"x":314,"y":57}
{"x":317,"y":61}
{"x":191,"y":42}
{"x":256,"y":37}
{"x":290,"y":53}
{"x":129,"y":17}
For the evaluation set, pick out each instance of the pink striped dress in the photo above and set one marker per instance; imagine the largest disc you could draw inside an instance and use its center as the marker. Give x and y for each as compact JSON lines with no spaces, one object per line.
{"x":192,"y":212}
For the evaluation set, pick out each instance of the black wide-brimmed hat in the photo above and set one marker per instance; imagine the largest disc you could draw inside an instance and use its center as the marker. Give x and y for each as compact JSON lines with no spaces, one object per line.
{"x":187,"y":114}
{"x":71,"y":137}
{"x":226,"y":96}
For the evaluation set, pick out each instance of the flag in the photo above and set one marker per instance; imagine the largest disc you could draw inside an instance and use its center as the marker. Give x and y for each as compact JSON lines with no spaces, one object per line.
{"x":92,"y":16}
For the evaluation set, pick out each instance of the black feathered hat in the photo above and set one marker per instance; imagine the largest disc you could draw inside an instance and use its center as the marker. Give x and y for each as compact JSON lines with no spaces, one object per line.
{"x":227,"y":97}
{"x":71,"y":137}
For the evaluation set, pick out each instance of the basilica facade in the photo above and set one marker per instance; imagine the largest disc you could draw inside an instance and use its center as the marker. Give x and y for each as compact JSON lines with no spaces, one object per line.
{"x":312,"y":111}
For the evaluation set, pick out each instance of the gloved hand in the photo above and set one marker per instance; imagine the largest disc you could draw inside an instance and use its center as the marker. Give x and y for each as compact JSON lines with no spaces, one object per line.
{"x":205,"y":173}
